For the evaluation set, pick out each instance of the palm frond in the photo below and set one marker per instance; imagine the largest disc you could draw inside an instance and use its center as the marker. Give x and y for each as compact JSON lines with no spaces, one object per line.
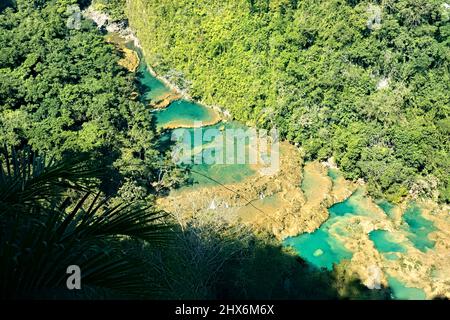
{"x":27,"y":178}
{"x":42,"y":231}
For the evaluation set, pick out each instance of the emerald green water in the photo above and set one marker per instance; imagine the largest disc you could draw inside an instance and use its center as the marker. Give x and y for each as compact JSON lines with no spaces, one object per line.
{"x":402,"y":292}
{"x":351,"y":206}
{"x":226,"y":174}
{"x":383,"y":242}
{"x":340,"y":209}
{"x":183,"y":113}
{"x":322,"y":249}
{"x":419,"y":228}
{"x":152,"y":89}
{"x":210,"y":172}
{"x":319,"y":248}
{"x":391,"y":256}
{"x":333,"y":174}
{"x":331,"y":250}
{"x":180,"y":113}
{"x":387,"y":207}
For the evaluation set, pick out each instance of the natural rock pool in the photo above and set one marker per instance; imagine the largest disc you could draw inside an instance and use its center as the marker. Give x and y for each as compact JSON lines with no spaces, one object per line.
{"x":418,"y":228}
{"x":185,"y":114}
{"x":384,"y":243}
{"x":402,"y":292}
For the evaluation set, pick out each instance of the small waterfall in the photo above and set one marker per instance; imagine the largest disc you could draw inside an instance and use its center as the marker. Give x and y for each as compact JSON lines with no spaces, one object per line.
{"x":213,"y":205}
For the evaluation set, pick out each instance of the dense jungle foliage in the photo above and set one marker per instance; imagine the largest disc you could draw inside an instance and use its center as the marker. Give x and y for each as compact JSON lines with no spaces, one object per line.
{"x":367,"y":82}
{"x":114,"y":8}
{"x":61,"y":90}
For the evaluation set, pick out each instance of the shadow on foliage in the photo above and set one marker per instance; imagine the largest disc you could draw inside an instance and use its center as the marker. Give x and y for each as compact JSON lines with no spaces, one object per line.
{"x":213,"y":260}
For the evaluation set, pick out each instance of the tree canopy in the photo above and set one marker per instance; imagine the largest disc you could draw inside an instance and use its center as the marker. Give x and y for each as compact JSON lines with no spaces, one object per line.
{"x":62,"y":91}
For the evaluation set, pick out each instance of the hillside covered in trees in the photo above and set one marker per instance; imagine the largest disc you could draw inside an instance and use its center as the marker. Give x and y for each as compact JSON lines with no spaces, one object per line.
{"x":63,"y":92}
{"x":367,"y":82}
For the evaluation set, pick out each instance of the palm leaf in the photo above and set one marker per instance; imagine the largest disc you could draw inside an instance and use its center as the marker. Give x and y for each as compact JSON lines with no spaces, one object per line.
{"x":27,"y":178}
{"x":42,"y":232}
